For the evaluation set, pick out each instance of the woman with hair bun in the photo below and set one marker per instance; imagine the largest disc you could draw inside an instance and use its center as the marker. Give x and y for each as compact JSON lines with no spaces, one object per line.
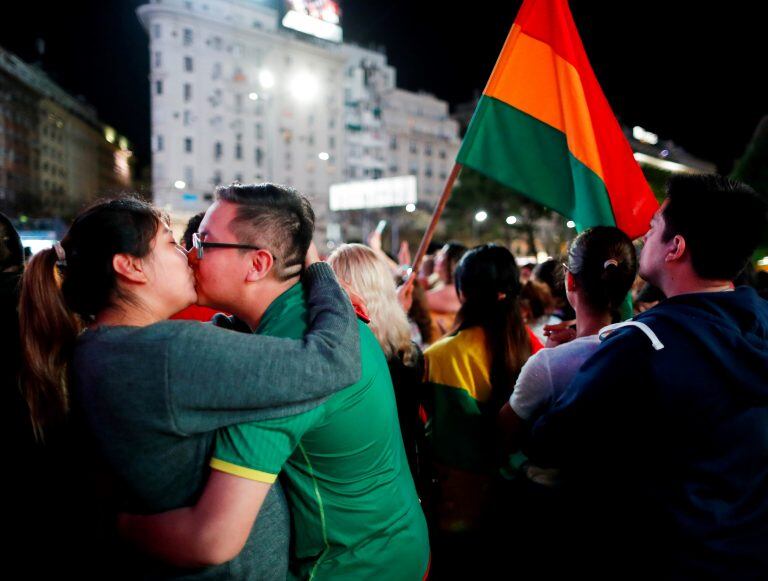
{"x":601,"y":268}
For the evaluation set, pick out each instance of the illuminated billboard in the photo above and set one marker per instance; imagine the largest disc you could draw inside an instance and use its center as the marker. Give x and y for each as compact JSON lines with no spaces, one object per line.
{"x":382,"y":193}
{"x":318,"y":18}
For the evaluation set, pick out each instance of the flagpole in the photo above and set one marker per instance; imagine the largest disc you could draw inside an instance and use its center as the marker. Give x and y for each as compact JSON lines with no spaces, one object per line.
{"x":422,"y":251}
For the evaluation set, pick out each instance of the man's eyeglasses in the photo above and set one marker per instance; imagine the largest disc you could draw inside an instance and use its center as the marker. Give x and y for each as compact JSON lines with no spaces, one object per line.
{"x":199,"y":245}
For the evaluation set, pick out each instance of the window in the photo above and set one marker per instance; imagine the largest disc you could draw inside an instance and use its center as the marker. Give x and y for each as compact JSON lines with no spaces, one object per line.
{"x":216,"y":73}
{"x":259,"y":131}
{"x":238,"y":102}
{"x":188,"y":144}
{"x":187,"y":36}
{"x":187,"y":118}
{"x":159,"y":143}
{"x":187,"y":92}
{"x":331,"y":142}
{"x":259,"y":156}
{"x":188,"y":64}
{"x":442,"y":154}
{"x":158,"y":87}
{"x":393,"y":143}
{"x":238,"y":151}
{"x":189,"y":175}
{"x":428,"y":150}
{"x":216,"y":177}
{"x":218,"y":150}
{"x":156,"y":31}
{"x":413,"y":147}
{"x":158,"y":59}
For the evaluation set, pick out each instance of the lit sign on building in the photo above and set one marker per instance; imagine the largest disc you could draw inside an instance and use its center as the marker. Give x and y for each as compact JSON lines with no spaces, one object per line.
{"x":382,"y":193}
{"x":318,"y":18}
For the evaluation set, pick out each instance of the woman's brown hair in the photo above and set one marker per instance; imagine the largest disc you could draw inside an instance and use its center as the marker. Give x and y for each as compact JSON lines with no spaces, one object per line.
{"x":64,"y":288}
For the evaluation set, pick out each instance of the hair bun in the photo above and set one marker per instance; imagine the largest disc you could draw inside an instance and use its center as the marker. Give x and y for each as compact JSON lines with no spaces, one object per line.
{"x":610,"y":262}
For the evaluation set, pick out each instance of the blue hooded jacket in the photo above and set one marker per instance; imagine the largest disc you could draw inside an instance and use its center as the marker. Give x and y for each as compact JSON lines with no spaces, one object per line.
{"x":668,"y":448}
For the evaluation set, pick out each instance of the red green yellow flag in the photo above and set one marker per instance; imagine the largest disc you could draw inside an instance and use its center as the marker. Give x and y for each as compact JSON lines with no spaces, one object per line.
{"x":544,"y":127}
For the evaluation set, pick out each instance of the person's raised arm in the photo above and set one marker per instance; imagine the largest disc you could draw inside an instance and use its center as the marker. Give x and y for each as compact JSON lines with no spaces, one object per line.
{"x":212,"y":532}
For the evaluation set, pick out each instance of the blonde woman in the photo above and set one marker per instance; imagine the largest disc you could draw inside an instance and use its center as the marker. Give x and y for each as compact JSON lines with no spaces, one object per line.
{"x":369,"y":276}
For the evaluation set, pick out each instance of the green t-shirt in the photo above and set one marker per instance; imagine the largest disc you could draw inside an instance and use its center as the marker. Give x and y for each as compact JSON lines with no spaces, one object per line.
{"x":354,"y":505}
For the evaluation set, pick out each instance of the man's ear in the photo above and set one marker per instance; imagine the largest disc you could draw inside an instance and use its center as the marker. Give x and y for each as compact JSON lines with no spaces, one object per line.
{"x":129,"y":267}
{"x":262,"y":262}
{"x":676,"y":249}
{"x":570,"y":282}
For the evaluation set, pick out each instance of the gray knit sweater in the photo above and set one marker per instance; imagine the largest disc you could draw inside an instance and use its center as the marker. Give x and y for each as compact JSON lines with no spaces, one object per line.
{"x":152,"y":397}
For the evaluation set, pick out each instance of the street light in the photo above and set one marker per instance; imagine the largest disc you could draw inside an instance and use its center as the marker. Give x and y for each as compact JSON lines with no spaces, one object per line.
{"x":180,"y":184}
{"x":253,"y":96}
{"x":304,"y":87}
{"x":323,"y":156}
{"x":511,"y":220}
{"x":481,"y":216}
{"x":410,"y":207}
{"x":266,"y":79}
{"x":570,"y":224}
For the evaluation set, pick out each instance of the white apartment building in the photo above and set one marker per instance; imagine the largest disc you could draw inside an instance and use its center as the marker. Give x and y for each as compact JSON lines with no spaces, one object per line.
{"x":423,"y":140}
{"x":235,"y":96}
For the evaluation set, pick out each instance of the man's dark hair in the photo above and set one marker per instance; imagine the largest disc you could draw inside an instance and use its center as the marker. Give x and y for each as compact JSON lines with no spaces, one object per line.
{"x":721,"y":220}
{"x":192,"y":227}
{"x":274,"y":217}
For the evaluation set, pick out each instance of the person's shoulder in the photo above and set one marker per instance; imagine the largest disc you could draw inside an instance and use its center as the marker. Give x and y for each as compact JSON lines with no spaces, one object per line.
{"x":465,"y":339}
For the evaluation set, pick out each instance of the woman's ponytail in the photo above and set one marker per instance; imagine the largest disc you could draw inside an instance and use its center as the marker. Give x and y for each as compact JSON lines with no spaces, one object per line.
{"x":48,"y":334}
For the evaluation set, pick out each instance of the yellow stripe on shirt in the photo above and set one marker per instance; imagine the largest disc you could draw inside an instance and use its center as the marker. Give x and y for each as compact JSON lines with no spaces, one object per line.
{"x":242,"y":471}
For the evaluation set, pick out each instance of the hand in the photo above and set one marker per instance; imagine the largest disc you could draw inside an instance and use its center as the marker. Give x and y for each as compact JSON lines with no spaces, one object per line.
{"x":559,"y":333}
{"x":312,"y":256}
{"x":404,"y":255}
{"x":374,"y":241}
{"x":405,"y":296}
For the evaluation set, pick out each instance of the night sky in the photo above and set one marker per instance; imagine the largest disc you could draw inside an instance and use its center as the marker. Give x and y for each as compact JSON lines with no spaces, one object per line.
{"x":691,"y":73}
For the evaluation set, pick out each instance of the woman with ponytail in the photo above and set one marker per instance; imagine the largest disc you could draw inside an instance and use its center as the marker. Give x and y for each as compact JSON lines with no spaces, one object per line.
{"x":470,"y":374}
{"x":600,"y":271}
{"x":150,"y":393}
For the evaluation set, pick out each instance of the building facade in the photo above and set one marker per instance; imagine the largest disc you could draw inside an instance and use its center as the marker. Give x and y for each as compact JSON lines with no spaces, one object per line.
{"x":235,"y":96}
{"x":55,"y":155}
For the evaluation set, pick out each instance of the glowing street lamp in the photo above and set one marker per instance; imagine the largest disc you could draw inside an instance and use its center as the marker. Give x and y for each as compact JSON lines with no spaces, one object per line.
{"x":570,"y":224}
{"x":481,"y":216}
{"x":304,"y":87}
{"x":179,"y":184}
{"x":253,"y":96}
{"x":410,"y":208}
{"x":511,"y":220}
{"x":323,"y":156}
{"x":266,"y":79}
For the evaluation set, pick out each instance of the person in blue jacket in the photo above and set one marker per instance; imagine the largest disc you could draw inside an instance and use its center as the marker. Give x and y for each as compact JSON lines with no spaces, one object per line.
{"x":663,"y":434}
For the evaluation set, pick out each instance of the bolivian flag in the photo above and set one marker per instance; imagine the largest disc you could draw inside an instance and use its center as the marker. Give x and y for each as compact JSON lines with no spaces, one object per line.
{"x":544,"y":128}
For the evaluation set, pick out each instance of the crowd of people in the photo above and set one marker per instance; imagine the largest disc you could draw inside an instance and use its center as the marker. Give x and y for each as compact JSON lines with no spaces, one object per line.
{"x":230,"y":406}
